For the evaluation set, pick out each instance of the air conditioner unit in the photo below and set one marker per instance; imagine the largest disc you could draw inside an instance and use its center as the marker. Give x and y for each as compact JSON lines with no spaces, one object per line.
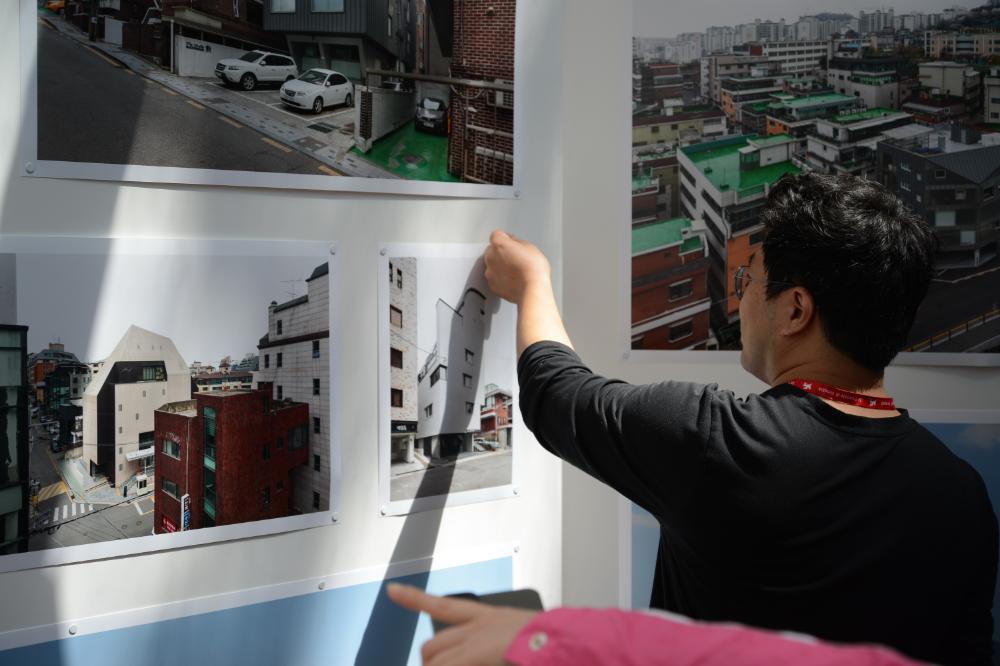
{"x":503,"y":99}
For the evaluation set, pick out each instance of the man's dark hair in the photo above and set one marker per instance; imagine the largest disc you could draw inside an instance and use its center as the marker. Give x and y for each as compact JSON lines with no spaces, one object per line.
{"x":864,"y":256}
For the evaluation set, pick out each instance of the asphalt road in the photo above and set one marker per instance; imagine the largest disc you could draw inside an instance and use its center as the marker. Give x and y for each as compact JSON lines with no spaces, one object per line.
{"x":485,"y":471}
{"x":92,"y":110}
{"x":62,"y":522}
{"x":949,"y":305}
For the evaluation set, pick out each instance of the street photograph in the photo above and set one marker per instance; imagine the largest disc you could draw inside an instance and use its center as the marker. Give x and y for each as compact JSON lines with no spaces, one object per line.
{"x":157,"y":393}
{"x":904,"y":94}
{"x":451,"y":375}
{"x":412,"y":90}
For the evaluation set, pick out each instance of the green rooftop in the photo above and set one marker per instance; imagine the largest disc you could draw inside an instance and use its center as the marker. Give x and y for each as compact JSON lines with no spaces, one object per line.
{"x":815,"y":100}
{"x":641,"y":181}
{"x":720,"y":162}
{"x":870,"y":114}
{"x":663,"y":233}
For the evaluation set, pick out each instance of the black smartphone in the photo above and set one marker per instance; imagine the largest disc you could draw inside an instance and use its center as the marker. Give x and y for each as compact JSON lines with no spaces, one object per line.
{"x":526,"y":599}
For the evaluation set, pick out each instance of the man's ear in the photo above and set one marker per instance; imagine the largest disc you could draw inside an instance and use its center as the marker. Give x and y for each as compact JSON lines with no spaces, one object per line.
{"x":797,"y":311}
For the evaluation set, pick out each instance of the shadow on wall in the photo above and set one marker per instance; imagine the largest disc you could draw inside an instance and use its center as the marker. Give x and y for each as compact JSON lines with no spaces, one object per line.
{"x":420,"y":530}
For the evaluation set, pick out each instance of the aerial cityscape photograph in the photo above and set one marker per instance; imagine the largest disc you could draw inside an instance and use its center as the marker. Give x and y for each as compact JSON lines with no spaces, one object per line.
{"x":908,"y":95}
{"x":166,"y":393}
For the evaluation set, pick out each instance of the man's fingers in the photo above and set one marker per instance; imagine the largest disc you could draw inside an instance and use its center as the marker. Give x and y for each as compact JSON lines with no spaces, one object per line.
{"x":443,"y":640}
{"x":449,"y":611}
{"x":499,"y":236}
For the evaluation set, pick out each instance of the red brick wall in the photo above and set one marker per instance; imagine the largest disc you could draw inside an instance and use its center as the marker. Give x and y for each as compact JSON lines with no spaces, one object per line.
{"x":659,"y":338}
{"x":186,"y":472}
{"x":483,"y":50}
{"x":652,"y":299}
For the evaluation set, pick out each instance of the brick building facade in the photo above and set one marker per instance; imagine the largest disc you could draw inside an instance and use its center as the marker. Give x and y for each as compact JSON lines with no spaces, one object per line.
{"x":481,"y":141}
{"x":232,"y":453}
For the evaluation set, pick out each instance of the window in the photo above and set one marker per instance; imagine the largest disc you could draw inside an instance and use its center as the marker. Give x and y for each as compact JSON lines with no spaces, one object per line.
{"x":279,"y":359}
{"x":267,"y":360}
{"x":236,"y":8}
{"x":429,"y":410}
{"x":396,"y":358}
{"x":315,"y":500}
{"x":968,"y":238}
{"x":280,"y":443}
{"x":654,"y":129}
{"x":119,"y":407}
{"x":437,"y":375}
{"x":282,"y":6}
{"x":265,"y":496}
{"x":469,"y":407}
{"x":278,"y":328}
{"x":315,"y":348}
{"x":266,"y":452}
{"x":681,"y":330}
{"x":172,"y":449}
{"x":469,"y":356}
{"x":316,"y":425}
{"x":210,"y":432}
{"x":298,"y":436}
{"x":960,"y":195}
{"x":940,"y":174}
{"x":391,"y":268}
{"x":316,"y":462}
{"x":315,"y":386}
{"x":281,"y":392}
{"x":467,"y":381}
{"x":944,"y":218}
{"x":397,"y":397}
{"x":395,"y":317}
{"x":328,"y":5}
{"x":679,"y":290}
{"x":399,"y":272}
{"x":170,"y":488}
{"x":137,"y":416}
{"x":281,"y":485}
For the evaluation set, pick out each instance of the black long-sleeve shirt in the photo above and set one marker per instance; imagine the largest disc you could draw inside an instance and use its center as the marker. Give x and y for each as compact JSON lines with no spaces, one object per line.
{"x":782,"y":512}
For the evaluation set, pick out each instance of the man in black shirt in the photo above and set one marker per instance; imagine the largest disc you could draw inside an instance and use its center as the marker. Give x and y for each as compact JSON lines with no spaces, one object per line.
{"x":815,"y":506}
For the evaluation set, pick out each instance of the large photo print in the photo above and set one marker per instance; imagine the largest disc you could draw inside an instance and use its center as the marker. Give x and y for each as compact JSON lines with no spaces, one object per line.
{"x":412,"y":96}
{"x":907,"y":95}
{"x":161,"y":393}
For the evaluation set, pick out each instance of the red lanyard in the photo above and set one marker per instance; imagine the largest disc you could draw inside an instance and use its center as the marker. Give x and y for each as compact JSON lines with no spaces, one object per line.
{"x":840,"y":395}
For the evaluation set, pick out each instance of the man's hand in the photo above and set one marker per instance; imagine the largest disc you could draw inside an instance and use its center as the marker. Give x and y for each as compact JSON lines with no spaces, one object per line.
{"x":515,"y":267}
{"x":517,"y":271}
{"x":479,"y":634}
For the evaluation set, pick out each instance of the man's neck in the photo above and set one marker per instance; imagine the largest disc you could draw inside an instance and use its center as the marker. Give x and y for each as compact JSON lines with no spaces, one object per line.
{"x":848,"y":376}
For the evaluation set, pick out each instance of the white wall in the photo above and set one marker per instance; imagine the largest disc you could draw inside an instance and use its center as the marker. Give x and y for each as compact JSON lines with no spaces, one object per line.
{"x":595,"y":210}
{"x":358,"y":223}
{"x":196,"y":57}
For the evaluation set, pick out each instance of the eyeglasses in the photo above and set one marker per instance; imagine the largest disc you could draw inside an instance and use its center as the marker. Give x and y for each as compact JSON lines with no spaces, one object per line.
{"x":742,"y":278}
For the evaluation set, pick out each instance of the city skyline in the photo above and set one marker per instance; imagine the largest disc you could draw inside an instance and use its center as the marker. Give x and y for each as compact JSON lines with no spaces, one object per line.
{"x":650,"y":18}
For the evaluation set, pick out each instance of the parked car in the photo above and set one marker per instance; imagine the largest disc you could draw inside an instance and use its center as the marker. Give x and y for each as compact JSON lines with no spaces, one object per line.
{"x":432,"y":116}
{"x":56,"y":6}
{"x":254,"y":67}
{"x":55,"y":446}
{"x":317,"y":89}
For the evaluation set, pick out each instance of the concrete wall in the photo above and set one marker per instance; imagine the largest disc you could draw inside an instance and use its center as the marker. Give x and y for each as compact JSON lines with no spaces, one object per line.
{"x":195,"y":57}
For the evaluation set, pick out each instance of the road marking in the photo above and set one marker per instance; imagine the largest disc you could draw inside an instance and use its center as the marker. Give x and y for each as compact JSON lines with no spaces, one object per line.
{"x":83,"y":509}
{"x":275,"y":144}
{"x":74,"y":508}
{"x":328,"y":171}
{"x":65,"y":512}
{"x":195,"y":105}
{"x":168,"y":91}
{"x":138,"y":510}
{"x":102,"y":56}
{"x":91,"y":507}
{"x":48,"y":492}
{"x":230,"y":121}
{"x":46,"y":24}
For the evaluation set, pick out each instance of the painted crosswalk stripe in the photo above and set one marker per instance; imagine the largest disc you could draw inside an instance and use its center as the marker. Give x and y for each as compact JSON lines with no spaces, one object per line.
{"x":50,"y":491}
{"x":83,"y":509}
{"x":91,"y":508}
{"x":74,"y":508}
{"x":138,"y":509}
{"x":65,"y":512}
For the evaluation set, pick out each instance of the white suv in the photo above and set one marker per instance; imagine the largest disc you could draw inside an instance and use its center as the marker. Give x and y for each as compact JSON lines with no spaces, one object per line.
{"x":256,"y":66}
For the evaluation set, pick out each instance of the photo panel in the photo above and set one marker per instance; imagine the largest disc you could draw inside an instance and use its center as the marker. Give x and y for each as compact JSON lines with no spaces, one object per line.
{"x":395,"y":96}
{"x":973,"y":436}
{"x":162,"y":393}
{"x":723,"y":109}
{"x":447,"y":384}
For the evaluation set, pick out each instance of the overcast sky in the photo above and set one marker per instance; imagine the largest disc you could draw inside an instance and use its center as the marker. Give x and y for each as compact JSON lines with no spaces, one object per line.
{"x":210,"y":306}
{"x":667,"y":18}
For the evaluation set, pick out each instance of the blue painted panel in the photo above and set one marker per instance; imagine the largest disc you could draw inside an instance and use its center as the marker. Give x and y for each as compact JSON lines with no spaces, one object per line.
{"x":320,"y":629}
{"x":645,"y":541}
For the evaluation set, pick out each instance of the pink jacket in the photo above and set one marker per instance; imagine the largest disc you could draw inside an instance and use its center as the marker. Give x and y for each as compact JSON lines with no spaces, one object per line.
{"x":585,"y":637}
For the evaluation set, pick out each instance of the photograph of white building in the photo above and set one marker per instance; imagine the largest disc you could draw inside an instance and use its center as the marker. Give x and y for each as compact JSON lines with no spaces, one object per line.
{"x":449,"y":355}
